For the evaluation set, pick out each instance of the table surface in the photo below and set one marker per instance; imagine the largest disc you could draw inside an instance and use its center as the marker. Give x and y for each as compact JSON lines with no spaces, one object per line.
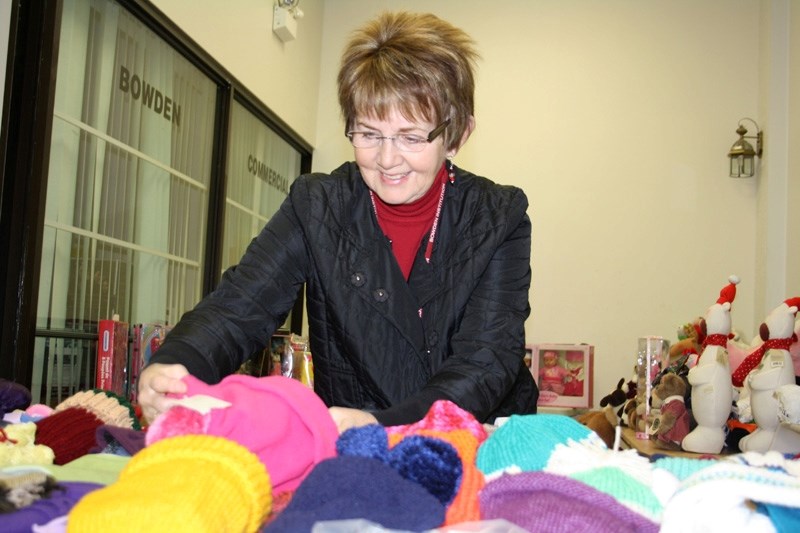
{"x":647,"y":447}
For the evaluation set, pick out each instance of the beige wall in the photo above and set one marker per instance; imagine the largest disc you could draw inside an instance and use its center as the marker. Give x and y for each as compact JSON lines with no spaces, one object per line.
{"x":238,"y":34}
{"x":615,"y":117}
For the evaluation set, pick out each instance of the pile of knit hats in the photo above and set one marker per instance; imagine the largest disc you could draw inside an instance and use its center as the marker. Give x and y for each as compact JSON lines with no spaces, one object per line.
{"x":544,"y":471}
{"x":70,"y":431}
{"x":743,"y":492}
{"x":416,"y":477}
{"x":548,"y":473}
{"x":278,"y":418}
{"x":216,"y":460}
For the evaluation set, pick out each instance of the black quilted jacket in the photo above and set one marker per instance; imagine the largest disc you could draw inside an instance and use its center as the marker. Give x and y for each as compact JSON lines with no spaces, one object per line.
{"x":454,"y":331}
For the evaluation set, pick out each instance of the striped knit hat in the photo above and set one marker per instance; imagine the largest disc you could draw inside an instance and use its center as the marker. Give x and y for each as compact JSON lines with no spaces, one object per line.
{"x":112,"y":409}
{"x":544,"y":502}
{"x":525,"y":442}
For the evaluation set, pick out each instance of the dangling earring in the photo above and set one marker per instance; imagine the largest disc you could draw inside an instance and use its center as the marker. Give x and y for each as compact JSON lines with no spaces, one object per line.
{"x":451,"y":174}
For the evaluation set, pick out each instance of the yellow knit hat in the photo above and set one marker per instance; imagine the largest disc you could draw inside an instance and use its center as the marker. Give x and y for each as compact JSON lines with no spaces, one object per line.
{"x":192,"y":483}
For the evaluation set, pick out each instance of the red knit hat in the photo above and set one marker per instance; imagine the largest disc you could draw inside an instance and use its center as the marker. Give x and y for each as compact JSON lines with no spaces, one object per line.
{"x":69,"y":433}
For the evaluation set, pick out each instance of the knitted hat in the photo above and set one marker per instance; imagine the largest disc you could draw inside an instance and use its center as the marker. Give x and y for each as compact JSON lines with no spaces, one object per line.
{"x":628,"y":491}
{"x":543,"y":502}
{"x":525,"y":442}
{"x":117,"y":440}
{"x":197,"y":483}
{"x":349,"y":487}
{"x":443,"y":415}
{"x":21,"y":486}
{"x":446,"y":421}
{"x":720,"y":497}
{"x":430,"y":462}
{"x":277,"y":418}
{"x":13,"y":396}
{"x":625,"y":475}
{"x":69,"y":433}
{"x":728,"y":292}
{"x":464,"y":507}
{"x":57,"y":503}
{"x":17,"y":446}
{"x":112,"y":409}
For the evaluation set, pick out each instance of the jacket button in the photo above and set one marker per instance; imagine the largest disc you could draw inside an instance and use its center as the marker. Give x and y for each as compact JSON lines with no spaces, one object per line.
{"x":380,"y":295}
{"x":433,"y":338}
{"x":358,"y":279}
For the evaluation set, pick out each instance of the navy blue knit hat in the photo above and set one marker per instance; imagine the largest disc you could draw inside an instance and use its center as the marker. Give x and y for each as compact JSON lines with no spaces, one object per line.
{"x":353,"y":487}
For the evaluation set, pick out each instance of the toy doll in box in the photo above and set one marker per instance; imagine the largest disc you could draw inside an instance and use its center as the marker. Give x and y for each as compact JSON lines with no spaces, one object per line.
{"x":552,"y":375}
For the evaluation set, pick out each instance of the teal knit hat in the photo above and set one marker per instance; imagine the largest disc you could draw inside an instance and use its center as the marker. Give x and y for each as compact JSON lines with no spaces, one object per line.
{"x":525,"y":442}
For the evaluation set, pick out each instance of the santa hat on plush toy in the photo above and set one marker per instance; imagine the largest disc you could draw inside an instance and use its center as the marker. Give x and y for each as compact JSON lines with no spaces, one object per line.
{"x":793,"y":302}
{"x":728,"y":292}
{"x":718,"y":315}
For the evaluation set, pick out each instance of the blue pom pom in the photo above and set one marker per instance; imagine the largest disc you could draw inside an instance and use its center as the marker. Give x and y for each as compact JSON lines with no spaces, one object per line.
{"x":365,"y":441}
{"x":431,"y":462}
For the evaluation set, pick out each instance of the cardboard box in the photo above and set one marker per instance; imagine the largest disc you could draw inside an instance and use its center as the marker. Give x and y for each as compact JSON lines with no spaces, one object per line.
{"x":564,"y":374}
{"x":112,"y":356}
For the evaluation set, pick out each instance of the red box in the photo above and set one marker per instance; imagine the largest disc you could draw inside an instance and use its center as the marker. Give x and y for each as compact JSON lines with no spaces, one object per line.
{"x":112,"y":356}
{"x":564,"y":374}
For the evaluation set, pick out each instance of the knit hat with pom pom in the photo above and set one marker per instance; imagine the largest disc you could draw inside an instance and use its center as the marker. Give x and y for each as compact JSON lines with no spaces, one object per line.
{"x":278,"y":418}
{"x":446,"y":421}
{"x":197,"y":483}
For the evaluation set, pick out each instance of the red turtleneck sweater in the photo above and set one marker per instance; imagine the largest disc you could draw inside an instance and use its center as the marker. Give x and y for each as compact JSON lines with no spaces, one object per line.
{"x":405,"y":225}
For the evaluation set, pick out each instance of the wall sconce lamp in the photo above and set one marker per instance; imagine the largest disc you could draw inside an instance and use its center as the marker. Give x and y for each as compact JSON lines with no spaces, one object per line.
{"x":742,"y":154}
{"x":284,"y":19}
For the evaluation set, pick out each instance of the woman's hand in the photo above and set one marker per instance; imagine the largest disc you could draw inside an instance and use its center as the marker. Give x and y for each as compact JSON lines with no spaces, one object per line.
{"x":155,"y":382}
{"x":346,"y":418}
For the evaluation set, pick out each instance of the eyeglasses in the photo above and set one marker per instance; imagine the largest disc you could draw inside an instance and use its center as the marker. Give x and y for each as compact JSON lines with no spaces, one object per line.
{"x":403,"y":142}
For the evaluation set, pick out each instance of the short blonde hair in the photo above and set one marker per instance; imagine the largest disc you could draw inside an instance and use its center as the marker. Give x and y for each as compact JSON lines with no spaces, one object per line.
{"x":415,"y":63}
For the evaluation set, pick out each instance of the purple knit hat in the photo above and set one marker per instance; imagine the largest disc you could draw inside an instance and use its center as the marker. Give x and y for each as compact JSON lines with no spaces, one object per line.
{"x":544,"y":502}
{"x":42,"y":511}
{"x":13,"y":396}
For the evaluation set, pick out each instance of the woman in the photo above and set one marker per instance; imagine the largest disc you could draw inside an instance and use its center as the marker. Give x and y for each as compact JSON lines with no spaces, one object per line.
{"x":417,"y":272}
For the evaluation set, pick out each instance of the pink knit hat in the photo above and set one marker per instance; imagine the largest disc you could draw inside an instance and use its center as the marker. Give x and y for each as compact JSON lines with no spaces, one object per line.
{"x":277,"y":418}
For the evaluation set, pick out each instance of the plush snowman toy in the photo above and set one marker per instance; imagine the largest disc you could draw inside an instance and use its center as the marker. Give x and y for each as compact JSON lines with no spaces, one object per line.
{"x":772,"y":368}
{"x":710,"y":378}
